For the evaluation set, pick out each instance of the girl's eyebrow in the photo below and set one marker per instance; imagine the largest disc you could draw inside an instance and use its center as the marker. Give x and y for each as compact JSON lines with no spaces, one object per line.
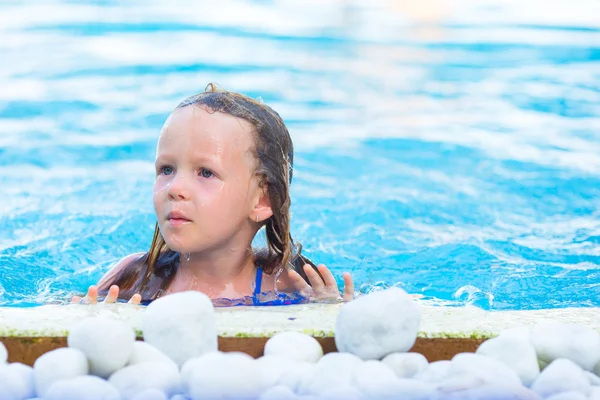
{"x":170,"y":157}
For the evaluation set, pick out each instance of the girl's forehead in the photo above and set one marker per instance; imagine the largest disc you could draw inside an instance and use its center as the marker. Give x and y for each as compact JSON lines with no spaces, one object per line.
{"x":197,"y":125}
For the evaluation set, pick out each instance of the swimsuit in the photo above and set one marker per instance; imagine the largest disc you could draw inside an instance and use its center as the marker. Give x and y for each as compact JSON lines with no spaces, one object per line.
{"x":258,"y":281}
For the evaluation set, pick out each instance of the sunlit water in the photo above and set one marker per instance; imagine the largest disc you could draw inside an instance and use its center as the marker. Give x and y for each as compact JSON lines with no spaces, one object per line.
{"x":451,"y":148}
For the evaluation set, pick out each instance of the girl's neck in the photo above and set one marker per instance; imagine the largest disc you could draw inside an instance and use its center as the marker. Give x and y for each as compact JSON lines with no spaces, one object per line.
{"x":228,"y":275}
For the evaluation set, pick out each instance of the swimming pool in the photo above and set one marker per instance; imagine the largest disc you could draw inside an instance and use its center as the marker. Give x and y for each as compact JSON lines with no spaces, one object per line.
{"x":451,"y":150}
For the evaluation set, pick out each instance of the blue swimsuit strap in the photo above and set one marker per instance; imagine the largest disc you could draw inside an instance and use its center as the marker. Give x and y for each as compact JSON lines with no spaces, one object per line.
{"x":258,"y":281}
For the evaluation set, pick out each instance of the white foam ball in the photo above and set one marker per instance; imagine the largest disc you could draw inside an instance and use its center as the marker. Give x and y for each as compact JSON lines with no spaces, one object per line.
{"x":572,"y":395}
{"x":16,"y":382}
{"x":134,"y":379}
{"x":332,"y":370}
{"x":107,"y":343}
{"x":63,"y":363}
{"x":150,"y":394}
{"x":273,"y":367}
{"x":231,"y":376}
{"x":181,"y":325}
{"x":561,"y":375}
{"x":341,"y":393}
{"x":3,"y":354}
{"x":82,"y":388}
{"x":406,"y":365}
{"x":409,"y":389}
{"x":578,"y":343}
{"x":295,"y":346}
{"x":435,"y":372}
{"x":378,"y":324}
{"x":593,"y":378}
{"x":180,"y":397}
{"x":486,"y":369}
{"x":293,"y":377}
{"x":279,"y":392}
{"x":459,"y":383}
{"x":144,"y":352}
{"x":203,"y":361}
{"x":495,"y":391}
{"x":515,"y":352}
{"x":373,"y":378}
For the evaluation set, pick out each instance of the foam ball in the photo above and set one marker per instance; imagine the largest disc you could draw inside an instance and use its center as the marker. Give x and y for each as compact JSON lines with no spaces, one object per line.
{"x":181,"y":325}
{"x":580,"y":344}
{"x":495,"y":391}
{"x":374,"y":379}
{"x":515,"y":352}
{"x":406,"y":365}
{"x":82,"y":388}
{"x":63,"y":363}
{"x":435,"y":372}
{"x":150,"y":394}
{"x":198,"y":363}
{"x":3,"y":354}
{"x":568,"y":396}
{"x":231,"y":376}
{"x":107,"y":343}
{"x":279,"y":392}
{"x":378,"y":324}
{"x":341,"y":393}
{"x":593,"y":378}
{"x":135,"y":379}
{"x":332,"y":370}
{"x":293,"y":377}
{"x":144,"y":352}
{"x":180,"y":397}
{"x":485,"y":369}
{"x":273,"y":367}
{"x":561,"y":375}
{"x":16,"y":382}
{"x":295,"y":346}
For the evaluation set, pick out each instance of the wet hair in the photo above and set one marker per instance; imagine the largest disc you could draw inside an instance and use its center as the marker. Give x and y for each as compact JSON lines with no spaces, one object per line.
{"x":152,"y":273}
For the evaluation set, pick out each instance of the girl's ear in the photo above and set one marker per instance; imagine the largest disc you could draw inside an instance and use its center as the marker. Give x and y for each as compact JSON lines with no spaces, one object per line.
{"x":262,"y":208}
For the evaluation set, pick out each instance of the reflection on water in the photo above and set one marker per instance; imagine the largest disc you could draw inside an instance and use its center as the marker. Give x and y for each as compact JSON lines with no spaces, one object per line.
{"x":447,"y":147}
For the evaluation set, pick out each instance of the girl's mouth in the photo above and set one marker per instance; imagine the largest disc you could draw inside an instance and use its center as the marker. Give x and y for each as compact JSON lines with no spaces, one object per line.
{"x":177,"y":218}
{"x":178,"y":221}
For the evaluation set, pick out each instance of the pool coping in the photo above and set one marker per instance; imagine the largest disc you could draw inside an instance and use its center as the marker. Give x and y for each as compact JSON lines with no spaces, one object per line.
{"x":444,"y":331}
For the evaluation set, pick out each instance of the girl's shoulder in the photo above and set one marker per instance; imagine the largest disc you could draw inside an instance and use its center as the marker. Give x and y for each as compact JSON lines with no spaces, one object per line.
{"x":119,"y":266}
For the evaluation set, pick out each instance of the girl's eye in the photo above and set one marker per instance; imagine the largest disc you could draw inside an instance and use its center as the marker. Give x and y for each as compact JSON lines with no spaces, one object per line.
{"x":206,"y":173}
{"x":166,"y":170}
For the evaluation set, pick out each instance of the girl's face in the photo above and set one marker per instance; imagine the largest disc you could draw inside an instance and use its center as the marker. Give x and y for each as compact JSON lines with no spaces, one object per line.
{"x":206,"y":190}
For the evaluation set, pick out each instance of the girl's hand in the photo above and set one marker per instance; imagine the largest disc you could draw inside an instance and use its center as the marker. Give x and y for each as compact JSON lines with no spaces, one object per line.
{"x":111,"y":297}
{"x":325,"y":288}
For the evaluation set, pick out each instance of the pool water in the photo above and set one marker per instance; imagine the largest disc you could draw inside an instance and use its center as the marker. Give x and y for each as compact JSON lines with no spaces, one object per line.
{"x":451,"y":148}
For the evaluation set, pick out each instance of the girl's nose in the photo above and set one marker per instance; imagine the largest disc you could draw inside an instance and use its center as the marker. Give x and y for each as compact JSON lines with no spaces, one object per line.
{"x":179,"y":188}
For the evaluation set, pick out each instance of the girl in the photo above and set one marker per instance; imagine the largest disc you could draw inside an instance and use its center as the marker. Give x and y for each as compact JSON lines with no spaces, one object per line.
{"x":223,"y":170}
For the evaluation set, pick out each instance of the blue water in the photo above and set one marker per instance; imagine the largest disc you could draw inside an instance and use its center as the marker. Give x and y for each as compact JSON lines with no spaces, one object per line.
{"x":451,"y":148}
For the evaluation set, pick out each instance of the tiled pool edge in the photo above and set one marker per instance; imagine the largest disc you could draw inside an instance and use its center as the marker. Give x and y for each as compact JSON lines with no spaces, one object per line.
{"x":444,"y":332}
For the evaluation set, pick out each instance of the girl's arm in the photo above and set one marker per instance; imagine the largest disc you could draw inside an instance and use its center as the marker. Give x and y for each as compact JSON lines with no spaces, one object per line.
{"x":320,"y":287}
{"x":113,"y":292}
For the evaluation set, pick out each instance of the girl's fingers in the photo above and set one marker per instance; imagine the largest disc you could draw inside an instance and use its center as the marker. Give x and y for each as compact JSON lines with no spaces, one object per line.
{"x":135,"y":299}
{"x":327,"y":277}
{"x":315,"y":280}
{"x":299,"y":283}
{"x":92,"y":295}
{"x":75,"y":299}
{"x":348,"y":287}
{"x":112,"y":295}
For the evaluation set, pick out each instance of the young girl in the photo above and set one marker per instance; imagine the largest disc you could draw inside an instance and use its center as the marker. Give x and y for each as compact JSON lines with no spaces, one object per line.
{"x":223,"y":170}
